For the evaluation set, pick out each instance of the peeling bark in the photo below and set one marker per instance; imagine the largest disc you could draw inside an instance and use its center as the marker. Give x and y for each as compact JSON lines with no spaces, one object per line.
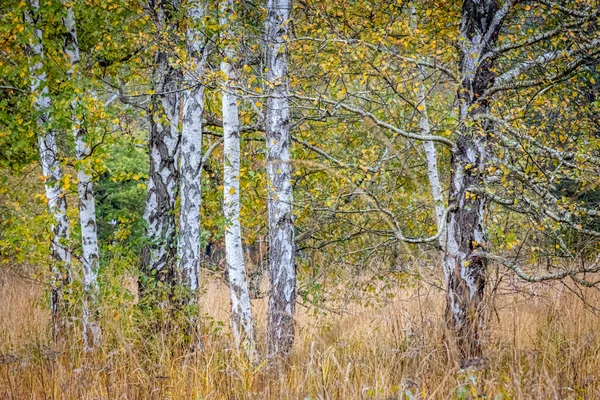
{"x":188,"y":245}
{"x":282,"y":295}
{"x":87,"y":206}
{"x":159,"y":214}
{"x":242,"y":324}
{"x":464,"y":268}
{"x":51,"y":169}
{"x":190,"y":167}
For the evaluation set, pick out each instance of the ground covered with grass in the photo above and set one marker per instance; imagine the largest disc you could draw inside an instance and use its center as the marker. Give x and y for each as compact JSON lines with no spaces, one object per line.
{"x":541,"y":343}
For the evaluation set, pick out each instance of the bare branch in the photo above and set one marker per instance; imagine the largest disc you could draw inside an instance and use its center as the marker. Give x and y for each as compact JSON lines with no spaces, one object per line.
{"x":563,"y":9}
{"x":538,"y":38}
{"x":542,"y":60}
{"x":377,"y":121}
{"x":559,"y":275}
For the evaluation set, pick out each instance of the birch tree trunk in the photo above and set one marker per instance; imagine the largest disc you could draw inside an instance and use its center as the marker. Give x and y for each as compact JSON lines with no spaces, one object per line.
{"x":188,"y":245}
{"x":464,"y":269}
{"x":429,"y":146}
{"x":51,"y":169}
{"x":87,"y":207}
{"x":159,"y":214}
{"x":431,"y":157}
{"x":190,"y":180}
{"x":241,"y":310}
{"x":282,"y":295}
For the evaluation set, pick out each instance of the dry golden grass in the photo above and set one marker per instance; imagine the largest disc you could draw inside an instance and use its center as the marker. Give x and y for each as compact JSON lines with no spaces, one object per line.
{"x":540,"y":346}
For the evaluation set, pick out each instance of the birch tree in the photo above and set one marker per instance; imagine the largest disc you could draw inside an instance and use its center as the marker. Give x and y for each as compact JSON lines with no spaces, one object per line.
{"x":429,"y":146}
{"x":87,"y":206}
{"x":487,"y":171}
{"x":163,"y":149}
{"x":52,"y":171}
{"x":188,"y":245}
{"x":282,"y":294}
{"x":515,"y":62}
{"x":241,"y":309}
{"x":465,"y":271}
{"x":432,"y":163}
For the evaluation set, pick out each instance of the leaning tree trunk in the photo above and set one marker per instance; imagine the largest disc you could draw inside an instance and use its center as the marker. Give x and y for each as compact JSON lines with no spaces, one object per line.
{"x":241,"y":310}
{"x":432,"y":164}
{"x":464,"y":267}
{"x":159,"y":262}
{"x":429,"y":146}
{"x":282,"y":300}
{"x":87,"y":207}
{"x":51,"y":169}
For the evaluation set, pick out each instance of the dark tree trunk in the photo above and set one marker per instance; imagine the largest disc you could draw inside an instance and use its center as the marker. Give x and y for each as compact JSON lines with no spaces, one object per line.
{"x":159,"y":260}
{"x":464,"y":267}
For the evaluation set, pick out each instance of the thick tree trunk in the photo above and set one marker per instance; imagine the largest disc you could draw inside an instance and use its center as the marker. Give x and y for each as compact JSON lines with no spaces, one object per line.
{"x":242,"y":324}
{"x":51,"y":169}
{"x":282,"y":300}
{"x":188,"y":245}
{"x":87,"y":206}
{"x":464,"y":268}
{"x":159,"y":263}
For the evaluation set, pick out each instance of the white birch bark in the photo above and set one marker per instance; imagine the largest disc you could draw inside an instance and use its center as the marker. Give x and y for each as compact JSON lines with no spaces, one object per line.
{"x":429,"y":146}
{"x":282,"y":295}
{"x":190,"y":165}
{"x":87,"y":207}
{"x":431,"y":157}
{"x":241,"y":310}
{"x":51,"y":169}
{"x":188,"y":245}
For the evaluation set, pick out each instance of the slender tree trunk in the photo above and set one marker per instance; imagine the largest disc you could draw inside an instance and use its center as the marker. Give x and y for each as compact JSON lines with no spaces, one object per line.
{"x":190,"y":180}
{"x":242,"y":325}
{"x":57,"y":202}
{"x":463,"y":266}
{"x":188,"y":246}
{"x":159,"y":263}
{"x":431,"y":156}
{"x":429,"y":146}
{"x":282,"y":300}
{"x":87,"y":206}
